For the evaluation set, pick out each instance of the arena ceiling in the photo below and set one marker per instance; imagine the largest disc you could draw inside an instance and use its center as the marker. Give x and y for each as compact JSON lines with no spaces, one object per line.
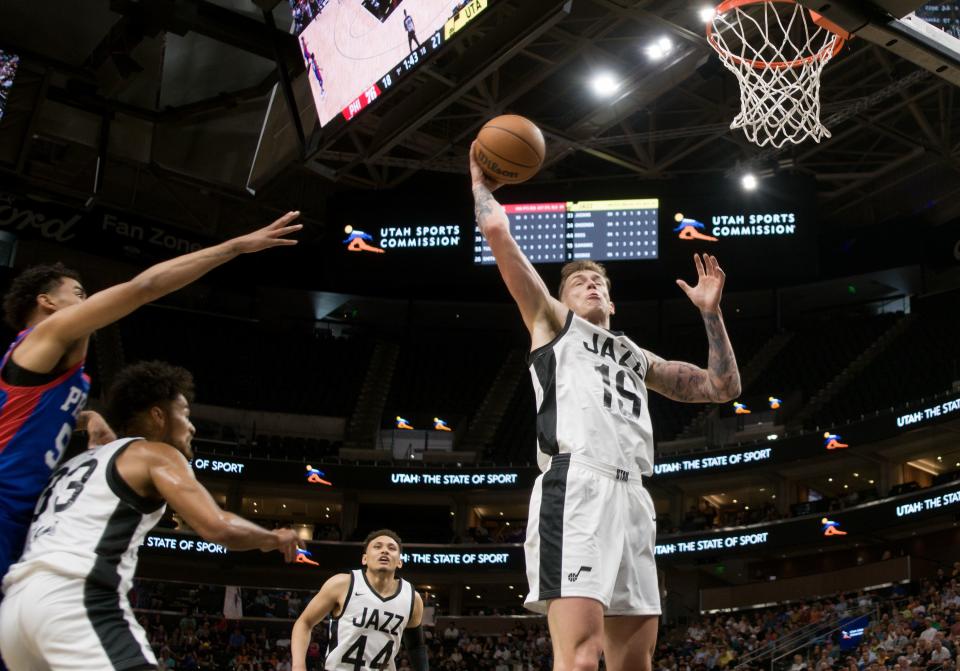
{"x":172,"y":96}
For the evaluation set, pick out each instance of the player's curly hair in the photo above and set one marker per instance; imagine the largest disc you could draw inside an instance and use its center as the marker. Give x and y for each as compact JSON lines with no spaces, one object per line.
{"x":381,"y":532}
{"x":21,"y":298}
{"x":144,"y":385}
{"x":576,"y":267}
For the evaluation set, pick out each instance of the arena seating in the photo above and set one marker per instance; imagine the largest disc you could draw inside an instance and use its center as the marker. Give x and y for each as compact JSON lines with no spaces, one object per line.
{"x":230,"y":366}
{"x":446,"y":375}
{"x":817,"y":353}
{"x":921,"y":363}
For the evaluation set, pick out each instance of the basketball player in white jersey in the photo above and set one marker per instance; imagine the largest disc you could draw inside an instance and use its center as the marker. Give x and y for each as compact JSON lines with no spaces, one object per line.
{"x":370,"y":609}
{"x":65,"y":605}
{"x":591,"y":529}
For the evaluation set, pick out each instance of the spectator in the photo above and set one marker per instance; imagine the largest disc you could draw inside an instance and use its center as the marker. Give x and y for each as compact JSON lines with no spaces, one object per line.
{"x":939,"y":653}
{"x":930,"y":632}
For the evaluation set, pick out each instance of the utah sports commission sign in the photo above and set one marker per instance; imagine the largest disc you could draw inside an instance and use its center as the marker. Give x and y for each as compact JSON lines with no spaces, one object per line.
{"x":762,"y":224}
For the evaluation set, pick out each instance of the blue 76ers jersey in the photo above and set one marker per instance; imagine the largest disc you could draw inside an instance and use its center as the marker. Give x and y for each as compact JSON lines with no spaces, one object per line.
{"x":35,"y":427}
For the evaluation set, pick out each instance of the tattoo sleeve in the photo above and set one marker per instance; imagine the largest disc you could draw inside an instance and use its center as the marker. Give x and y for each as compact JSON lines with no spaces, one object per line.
{"x":718,"y":383}
{"x":485,"y":207}
{"x":722,"y":371}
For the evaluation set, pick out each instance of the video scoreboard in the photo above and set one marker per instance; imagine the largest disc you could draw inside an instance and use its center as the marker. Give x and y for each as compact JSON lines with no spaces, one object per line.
{"x":355,"y":51}
{"x":600,"y":230}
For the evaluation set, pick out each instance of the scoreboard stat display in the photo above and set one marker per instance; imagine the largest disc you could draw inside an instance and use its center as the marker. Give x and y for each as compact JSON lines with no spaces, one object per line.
{"x":600,"y":230}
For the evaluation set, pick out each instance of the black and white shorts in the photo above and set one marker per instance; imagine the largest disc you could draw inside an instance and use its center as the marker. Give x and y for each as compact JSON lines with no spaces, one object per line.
{"x":49,"y":621}
{"x":591,"y":533}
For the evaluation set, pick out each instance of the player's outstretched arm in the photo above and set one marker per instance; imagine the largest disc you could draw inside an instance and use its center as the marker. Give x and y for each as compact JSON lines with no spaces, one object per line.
{"x":720,"y":381}
{"x":542,"y":314}
{"x":44,"y":348}
{"x":170,"y":475}
{"x":413,"y":639}
{"x":331,"y":595}
{"x":97,"y":428}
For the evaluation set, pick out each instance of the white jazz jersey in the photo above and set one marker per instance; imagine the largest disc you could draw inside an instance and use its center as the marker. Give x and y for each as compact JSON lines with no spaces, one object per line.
{"x":591,"y":397}
{"x":367,"y":632}
{"x":88,"y":524}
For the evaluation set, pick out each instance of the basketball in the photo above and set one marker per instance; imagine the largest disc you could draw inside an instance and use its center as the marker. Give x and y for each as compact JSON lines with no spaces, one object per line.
{"x":510,"y":149}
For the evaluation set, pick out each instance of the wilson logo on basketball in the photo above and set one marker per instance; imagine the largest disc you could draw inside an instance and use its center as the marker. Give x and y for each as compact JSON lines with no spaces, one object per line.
{"x":494,"y":167}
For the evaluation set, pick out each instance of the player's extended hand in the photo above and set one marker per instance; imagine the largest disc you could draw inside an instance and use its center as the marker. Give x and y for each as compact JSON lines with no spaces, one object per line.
{"x":477,"y":175}
{"x":710,"y":279}
{"x":288,"y":542}
{"x":98,"y":431}
{"x":273,"y":235}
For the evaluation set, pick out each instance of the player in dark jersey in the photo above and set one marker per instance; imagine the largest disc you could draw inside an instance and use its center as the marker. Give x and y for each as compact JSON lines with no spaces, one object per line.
{"x":411,"y":31}
{"x":42,"y":384}
{"x":313,"y":67}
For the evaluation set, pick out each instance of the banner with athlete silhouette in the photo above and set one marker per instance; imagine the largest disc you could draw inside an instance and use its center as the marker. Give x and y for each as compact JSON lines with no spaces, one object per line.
{"x":769,"y":234}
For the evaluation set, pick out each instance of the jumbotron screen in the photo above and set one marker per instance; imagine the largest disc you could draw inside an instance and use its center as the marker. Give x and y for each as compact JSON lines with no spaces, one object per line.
{"x":355,"y":50}
{"x":943,"y":15}
{"x":600,"y":230}
{"x":8,"y":70}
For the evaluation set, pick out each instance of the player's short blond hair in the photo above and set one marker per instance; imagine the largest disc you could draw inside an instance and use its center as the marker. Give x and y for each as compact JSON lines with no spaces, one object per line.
{"x":576,"y":267}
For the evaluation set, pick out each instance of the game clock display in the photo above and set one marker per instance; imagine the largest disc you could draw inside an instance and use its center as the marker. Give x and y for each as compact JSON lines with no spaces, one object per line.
{"x":600,"y":230}
{"x":355,"y":51}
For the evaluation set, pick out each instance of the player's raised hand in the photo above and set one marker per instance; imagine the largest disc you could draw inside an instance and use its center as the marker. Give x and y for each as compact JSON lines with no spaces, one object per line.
{"x":477,"y":175}
{"x":710,"y":278}
{"x":288,"y":543}
{"x":273,"y":235}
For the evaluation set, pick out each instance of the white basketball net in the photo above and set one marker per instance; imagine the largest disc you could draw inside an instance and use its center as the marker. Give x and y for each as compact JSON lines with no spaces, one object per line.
{"x":778,"y":53}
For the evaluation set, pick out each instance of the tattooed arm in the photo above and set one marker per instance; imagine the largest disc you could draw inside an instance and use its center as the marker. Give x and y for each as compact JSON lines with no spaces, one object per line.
{"x":682,"y":381}
{"x":542,"y":314}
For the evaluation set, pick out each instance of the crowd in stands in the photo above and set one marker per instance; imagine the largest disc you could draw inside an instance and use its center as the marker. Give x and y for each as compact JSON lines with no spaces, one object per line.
{"x":914,"y":627}
{"x":910,"y":628}
{"x":702,"y":516}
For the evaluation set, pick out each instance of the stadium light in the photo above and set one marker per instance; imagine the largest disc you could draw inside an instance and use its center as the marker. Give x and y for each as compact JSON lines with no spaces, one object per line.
{"x":657,"y":50}
{"x":749,"y":182}
{"x":604,"y":84}
{"x":706,"y":14}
